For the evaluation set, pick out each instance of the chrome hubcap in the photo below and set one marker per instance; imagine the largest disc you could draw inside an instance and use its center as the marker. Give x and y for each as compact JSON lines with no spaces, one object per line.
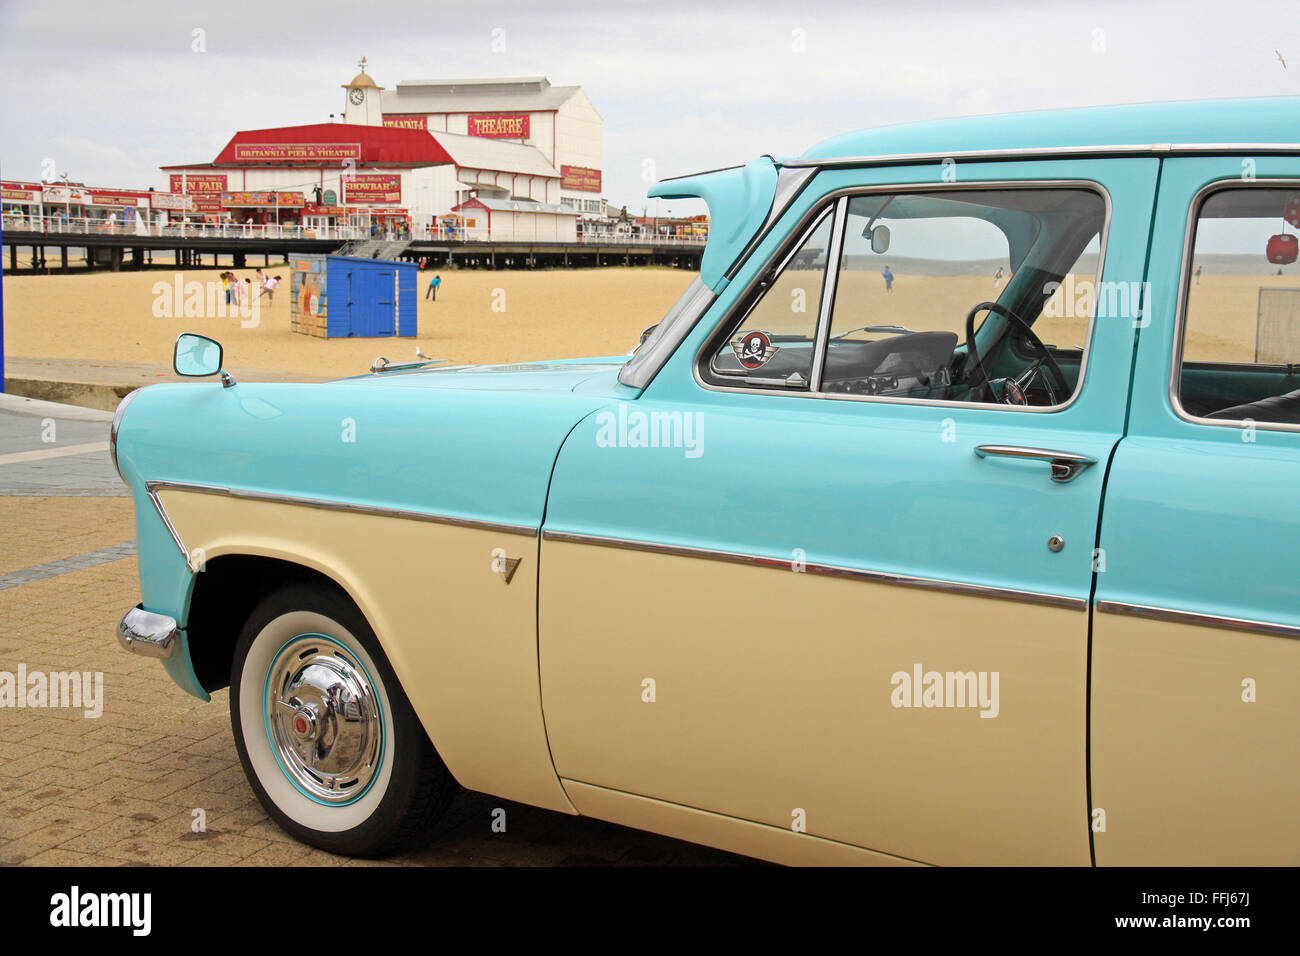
{"x":323,"y":719}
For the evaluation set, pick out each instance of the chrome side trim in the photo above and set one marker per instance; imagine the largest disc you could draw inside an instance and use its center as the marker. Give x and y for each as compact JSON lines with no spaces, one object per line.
{"x":146,"y":633}
{"x":1201,"y":620}
{"x":1042,"y":152}
{"x":151,"y":489}
{"x":155,"y":486}
{"x":117,"y":426}
{"x":859,"y":574}
{"x":1180,"y":314}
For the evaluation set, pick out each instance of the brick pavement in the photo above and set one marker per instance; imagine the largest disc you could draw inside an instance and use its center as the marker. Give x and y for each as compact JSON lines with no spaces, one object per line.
{"x":122,"y":788}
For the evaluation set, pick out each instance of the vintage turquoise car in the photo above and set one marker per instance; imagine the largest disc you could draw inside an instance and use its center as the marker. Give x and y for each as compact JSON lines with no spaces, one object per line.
{"x":948,"y":517}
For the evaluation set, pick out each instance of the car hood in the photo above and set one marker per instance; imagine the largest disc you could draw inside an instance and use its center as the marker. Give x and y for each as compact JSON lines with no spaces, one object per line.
{"x":590,"y":375}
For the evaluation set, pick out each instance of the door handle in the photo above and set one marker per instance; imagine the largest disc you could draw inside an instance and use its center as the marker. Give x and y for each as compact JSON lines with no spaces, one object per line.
{"x":1066,"y":465}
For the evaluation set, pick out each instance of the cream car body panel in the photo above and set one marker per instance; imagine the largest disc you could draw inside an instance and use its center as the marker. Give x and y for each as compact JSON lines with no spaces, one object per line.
{"x":765,"y":705}
{"x":479,"y":698}
{"x":726,"y":833}
{"x":1187,"y":770}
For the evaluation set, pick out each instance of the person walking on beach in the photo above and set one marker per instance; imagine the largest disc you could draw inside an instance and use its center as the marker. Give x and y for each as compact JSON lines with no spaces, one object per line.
{"x":997,"y":279}
{"x":432,"y":292}
{"x":889,"y":281}
{"x":1198,"y":274}
{"x":225,"y":284}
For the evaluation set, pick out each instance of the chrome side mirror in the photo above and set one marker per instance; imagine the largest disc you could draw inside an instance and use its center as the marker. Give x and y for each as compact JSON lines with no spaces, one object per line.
{"x":197,"y":356}
{"x":644,"y":335}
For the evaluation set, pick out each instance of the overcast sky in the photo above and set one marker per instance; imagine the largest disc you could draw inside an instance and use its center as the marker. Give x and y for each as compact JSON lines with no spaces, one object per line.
{"x":110,"y":91}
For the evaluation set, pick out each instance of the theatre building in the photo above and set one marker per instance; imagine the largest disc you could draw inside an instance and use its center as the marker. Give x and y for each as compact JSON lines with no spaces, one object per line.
{"x":559,"y":121}
{"x":429,"y":158}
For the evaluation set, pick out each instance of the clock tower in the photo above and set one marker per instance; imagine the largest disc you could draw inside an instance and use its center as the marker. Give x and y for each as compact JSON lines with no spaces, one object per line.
{"x":361,"y":103}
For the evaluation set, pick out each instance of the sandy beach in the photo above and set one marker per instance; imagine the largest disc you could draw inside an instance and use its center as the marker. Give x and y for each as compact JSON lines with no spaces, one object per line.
{"x":479,"y":317}
{"x":509,"y":316}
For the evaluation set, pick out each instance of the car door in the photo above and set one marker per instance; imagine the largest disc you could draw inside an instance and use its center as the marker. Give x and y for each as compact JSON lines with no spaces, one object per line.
{"x":1196,"y":662}
{"x":821,"y":609}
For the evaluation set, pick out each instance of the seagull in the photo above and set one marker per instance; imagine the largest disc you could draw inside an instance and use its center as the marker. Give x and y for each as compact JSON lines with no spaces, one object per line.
{"x":1280,"y":60}
{"x":419,"y":354}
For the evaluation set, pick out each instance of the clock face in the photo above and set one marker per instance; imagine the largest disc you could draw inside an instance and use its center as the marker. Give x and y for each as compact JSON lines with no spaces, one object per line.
{"x":356,"y":95}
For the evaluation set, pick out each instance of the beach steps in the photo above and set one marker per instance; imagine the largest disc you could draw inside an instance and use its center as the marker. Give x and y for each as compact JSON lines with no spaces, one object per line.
{"x":366,"y":248}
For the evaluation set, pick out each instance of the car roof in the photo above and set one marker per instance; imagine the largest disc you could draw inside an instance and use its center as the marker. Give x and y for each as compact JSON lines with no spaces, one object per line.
{"x":1144,"y":127}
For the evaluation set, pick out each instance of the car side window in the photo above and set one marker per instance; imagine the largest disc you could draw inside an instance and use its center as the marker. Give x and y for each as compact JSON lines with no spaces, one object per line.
{"x":1238,"y":358}
{"x":909,"y":270}
{"x":773,"y":343}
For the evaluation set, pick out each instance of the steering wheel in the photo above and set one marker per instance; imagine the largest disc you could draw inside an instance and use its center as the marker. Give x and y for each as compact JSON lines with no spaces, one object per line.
{"x":1013,"y":392}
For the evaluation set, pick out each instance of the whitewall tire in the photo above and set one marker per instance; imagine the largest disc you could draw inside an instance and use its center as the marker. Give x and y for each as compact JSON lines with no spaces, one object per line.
{"x":325,"y":734}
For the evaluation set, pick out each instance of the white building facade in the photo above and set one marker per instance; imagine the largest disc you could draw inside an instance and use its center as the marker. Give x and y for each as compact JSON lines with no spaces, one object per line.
{"x":560,"y":122}
{"x":417,"y":155}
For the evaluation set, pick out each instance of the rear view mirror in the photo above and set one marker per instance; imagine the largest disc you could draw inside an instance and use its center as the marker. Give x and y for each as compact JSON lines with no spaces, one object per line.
{"x":197,"y":356}
{"x":880,"y":239}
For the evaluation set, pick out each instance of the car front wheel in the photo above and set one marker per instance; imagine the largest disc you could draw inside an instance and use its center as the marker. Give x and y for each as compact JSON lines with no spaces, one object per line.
{"x":327,"y":738}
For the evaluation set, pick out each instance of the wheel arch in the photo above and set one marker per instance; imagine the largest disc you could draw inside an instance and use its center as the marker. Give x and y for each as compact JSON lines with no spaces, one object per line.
{"x":227,"y":590}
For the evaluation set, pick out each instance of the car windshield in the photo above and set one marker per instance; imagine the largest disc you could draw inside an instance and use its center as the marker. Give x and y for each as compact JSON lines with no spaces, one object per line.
{"x":665,"y":333}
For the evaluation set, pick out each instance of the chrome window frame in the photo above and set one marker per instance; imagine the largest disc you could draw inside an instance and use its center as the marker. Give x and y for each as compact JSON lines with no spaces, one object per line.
{"x":847,"y":194}
{"x":640,"y":370}
{"x":1184,"y":287}
{"x":754,"y":294}
{"x":1043,"y":152}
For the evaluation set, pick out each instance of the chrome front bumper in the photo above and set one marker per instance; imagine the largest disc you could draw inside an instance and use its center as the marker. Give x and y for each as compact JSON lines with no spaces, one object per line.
{"x":143,"y":632}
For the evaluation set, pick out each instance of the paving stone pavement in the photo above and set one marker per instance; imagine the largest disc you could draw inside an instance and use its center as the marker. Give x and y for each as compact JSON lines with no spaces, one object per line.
{"x":29,"y":427}
{"x":122,"y":788}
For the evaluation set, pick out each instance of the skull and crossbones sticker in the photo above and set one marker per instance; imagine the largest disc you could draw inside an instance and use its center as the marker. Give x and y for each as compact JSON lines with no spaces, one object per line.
{"x":754,"y":349}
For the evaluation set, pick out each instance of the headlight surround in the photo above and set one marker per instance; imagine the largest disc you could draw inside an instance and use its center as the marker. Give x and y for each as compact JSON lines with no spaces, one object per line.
{"x":117,"y":424}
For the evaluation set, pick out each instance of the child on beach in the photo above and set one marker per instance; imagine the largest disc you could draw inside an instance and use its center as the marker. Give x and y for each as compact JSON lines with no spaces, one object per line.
{"x":268,"y":288}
